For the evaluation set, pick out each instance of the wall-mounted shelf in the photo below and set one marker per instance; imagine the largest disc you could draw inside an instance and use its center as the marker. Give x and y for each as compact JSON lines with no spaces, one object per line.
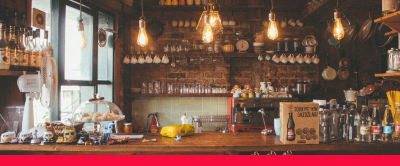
{"x":13,"y":73}
{"x":179,"y":95}
{"x":201,"y":8}
{"x":392,"y":21}
{"x":393,"y":76}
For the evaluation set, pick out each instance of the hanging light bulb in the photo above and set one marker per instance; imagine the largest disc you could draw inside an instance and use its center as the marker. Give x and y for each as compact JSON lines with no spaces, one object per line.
{"x":81,"y":28}
{"x":81,"y":35}
{"x":272,"y":28}
{"x":338,"y":32}
{"x":142,"y":35}
{"x":208,"y":34}
{"x":214,"y":19}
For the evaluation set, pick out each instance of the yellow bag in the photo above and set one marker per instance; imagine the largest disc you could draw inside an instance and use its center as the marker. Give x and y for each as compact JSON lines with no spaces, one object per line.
{"x":174,"y":130}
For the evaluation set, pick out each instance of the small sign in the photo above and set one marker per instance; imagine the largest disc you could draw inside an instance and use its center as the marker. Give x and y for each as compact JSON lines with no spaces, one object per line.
{"x":38,"y":19}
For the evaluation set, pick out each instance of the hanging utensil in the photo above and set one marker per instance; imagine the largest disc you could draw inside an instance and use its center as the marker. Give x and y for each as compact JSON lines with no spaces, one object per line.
{"x":367,"y":29}
{"x":381,"y":39}
{"x":155,"y":28}
{"x":329,"y":73}
{"x":350,"y":35}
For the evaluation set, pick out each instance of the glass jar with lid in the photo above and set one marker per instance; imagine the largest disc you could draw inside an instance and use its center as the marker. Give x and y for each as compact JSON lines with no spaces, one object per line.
{"x":296,"y":44}
{"x":287,"y":44}
{"x":279,"y":45}
{"x":395,"y":60}
{"x":97,"y":110}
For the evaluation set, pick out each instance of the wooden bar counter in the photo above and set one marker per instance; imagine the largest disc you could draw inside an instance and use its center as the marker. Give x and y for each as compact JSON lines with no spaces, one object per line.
{"x":204,"y":143}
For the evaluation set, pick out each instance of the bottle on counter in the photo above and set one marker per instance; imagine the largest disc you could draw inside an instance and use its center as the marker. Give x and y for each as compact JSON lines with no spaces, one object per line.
{"x":13,"y":48}
{"x":290,"y":128}
{"x":365,"y":125}
{"x":324,"y":124}
{"x":4,"y":56}
{"x":387,"y":123}
{"x":356,"y":124}
{"x":396,"y":131}
{"x":352,"y":119}
{"x":343,"y":119}
{"x":376,"y":125}
{"x":334,"y":121}
{"x":184,"y":119}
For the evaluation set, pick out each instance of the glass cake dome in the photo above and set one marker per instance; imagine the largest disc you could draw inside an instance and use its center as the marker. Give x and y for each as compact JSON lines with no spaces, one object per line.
{"x":97,"y":110}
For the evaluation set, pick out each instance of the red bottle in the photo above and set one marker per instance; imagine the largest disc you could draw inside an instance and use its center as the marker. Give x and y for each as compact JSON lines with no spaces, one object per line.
{"x":153,"y":126}
{"x":290,"y":128}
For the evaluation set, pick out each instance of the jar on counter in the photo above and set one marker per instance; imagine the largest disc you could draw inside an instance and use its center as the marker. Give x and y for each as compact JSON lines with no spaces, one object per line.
{"x":182,"y":2}
{"x":217,"y":47}
{"x":161,"y":2}
{"x":279,"y":45}
{"x":189,"y":2}
{"x":390,"y":60}
{"x":168,"y":2}
{"x":296,"y":44}
{"x":128,"y":128}
{"x":175,"y":2}
{"x":287,"y":44}
{"x":197,"y":2}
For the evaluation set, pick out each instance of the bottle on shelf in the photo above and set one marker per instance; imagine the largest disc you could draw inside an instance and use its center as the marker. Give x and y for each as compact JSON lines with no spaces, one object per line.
{"x":376,"y":125}
{"x":396,"y":132}
{"x":13,"y":48}
{"x":324,"y":124}
{"x":343,"y":123}
{"x":38,"y":49}
{"x":365,"y":125}
{"x":30,"y":50}
{"x":7,"y":21}
{"x":15,"y":18}
{"x":23,"y":58}
{"x":387,"y":123}
{"x":4,"y":56}
{"x":290,"y":128}
{"x":17,"y":52}
{"x":45,"y":48}
{"x":334,"y":121}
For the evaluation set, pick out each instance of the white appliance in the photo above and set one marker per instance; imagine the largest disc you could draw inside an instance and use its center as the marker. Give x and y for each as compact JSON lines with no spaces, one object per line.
{"x":42,"y":85}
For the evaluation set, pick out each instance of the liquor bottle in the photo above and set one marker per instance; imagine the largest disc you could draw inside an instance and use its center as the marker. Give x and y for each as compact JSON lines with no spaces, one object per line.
{"x":15,"y":17}
{"x":13,"y":48}
{"x":45,"y":48}
{"x":29,"y":50}
{"x":290,"y":128}
{"x":343,"y":122}
{"x":324,"y":125}
{"x":387,"y":124}
{"x":396,"y":132}
{"x":376,"y":125}
{"x":356,"y":123}
{"x":23,"y":58}
{"x":4,"y":56}
{"x":7,"y":21}
{"x":365,"y":125}
{"x":352,"y":124}
{"x":38,"y":49}
{"x":334,"y":120}
{"x":17,"y":50}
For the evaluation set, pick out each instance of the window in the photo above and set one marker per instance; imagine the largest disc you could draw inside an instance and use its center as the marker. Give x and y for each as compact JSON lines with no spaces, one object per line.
{"x":83,"y":72}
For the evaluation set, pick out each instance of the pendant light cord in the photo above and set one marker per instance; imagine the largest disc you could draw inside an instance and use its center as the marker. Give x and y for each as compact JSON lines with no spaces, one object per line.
{"x":142,"y":7}
{"x":81,"y":8}
{"x":272,"y":4}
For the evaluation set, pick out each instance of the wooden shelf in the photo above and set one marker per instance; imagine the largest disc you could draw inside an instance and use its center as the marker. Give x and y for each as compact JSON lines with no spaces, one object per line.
{"x":178,"y":95}
{"x":392,"y":76}
{"x":201,"y":8}
{"x":13,"y":73}
{"x":392,"y":21}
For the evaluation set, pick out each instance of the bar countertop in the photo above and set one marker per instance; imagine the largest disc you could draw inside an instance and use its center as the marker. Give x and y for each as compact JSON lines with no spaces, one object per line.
{"x":204,"y":143}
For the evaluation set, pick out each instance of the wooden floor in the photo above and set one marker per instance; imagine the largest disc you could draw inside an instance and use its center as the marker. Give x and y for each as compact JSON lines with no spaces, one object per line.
{"x":205,"y":143}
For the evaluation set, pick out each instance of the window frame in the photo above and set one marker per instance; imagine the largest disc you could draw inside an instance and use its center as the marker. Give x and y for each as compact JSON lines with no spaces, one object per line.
{"x":61,"y":6}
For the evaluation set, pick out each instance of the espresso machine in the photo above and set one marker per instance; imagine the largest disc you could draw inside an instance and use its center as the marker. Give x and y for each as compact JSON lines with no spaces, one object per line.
{"x":246,"y":113}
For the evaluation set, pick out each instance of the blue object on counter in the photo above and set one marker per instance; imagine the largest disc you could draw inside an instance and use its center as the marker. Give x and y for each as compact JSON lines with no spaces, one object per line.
{"x":236,"y":95}
{"x":258,"y":95}
{"x":178,"y":137}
